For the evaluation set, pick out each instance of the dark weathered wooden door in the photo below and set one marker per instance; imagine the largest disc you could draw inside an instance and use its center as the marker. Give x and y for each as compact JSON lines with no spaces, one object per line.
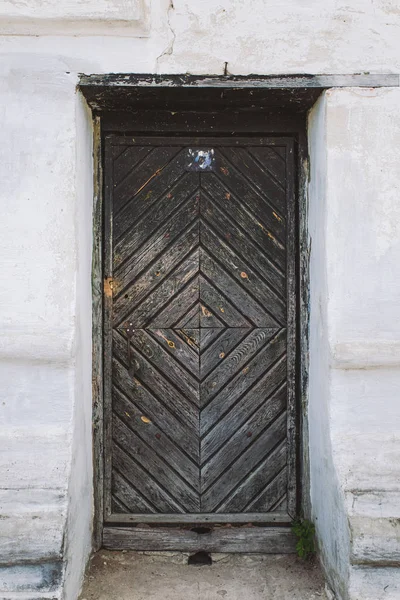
{"x":200,"y":330}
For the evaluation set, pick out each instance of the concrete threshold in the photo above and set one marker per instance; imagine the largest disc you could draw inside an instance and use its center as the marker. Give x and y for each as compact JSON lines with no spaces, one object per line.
{"x":167,"y":576}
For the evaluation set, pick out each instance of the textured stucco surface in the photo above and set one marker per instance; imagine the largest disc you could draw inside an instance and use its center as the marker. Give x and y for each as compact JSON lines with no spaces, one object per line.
{"x":354,"y":364}
{"x":285,"y":36}
{"x":45,"y":246}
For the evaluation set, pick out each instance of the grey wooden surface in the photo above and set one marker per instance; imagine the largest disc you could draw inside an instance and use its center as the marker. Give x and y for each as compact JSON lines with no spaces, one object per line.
{"x":199,"y":402}
{"x":267,"y":540}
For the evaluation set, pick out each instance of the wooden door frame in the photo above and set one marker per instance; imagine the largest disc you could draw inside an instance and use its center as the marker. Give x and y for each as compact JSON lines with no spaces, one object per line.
{"x":288,"y":122}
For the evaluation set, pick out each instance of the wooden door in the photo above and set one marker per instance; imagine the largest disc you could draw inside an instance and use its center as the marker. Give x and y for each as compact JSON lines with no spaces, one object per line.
{"x":199,"y":332}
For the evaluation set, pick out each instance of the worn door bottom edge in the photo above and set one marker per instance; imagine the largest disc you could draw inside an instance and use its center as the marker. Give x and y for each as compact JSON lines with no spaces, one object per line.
{"x":177,"y":518}
{"x":263,"y":540}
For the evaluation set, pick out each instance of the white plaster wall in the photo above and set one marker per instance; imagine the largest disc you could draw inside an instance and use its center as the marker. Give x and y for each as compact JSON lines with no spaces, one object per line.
{"x":38,"y":256}
{"x":45,"y":342}
{"x":364,"y":300}
{"x":46,"y":195}
{"x":327,"y":498}
{"x":80,"y":493}
{"x":46,"y":471}
{"x":74,"y":17}
{"x":355,"y":295}
{"x":253,"y":36}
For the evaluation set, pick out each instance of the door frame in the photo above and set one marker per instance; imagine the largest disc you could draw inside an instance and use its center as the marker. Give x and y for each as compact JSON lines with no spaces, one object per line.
{"x":284,"y":122}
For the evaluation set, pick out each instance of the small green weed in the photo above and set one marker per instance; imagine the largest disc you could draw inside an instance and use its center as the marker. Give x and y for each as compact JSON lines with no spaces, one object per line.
{"x":304,"y":530}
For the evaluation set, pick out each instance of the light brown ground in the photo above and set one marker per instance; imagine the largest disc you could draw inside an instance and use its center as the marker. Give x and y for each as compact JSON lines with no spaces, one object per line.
{"x":167,"y":576}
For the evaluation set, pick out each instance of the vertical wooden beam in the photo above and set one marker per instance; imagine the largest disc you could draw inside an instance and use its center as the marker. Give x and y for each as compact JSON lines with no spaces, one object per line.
{"x":97,"y":342}
{"x":304,"y":317}
{"x":107,"y":323}
{"x":292,"y":333}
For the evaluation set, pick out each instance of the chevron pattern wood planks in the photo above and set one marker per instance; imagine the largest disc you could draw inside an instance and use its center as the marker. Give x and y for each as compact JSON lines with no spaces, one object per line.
{"x":199,"y":326}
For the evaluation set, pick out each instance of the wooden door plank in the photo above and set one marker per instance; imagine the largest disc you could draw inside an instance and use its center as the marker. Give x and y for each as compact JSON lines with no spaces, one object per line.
{"x":273,"y":378}
{"x":118,"y":506}
{"x":199,"y":123}
{"x":246,"y":371}
{"x":266,"y":540}
{"x":155,"y":410}
{"x":218,"y":303}
{"x":226,"y":286}
{"x":183,"y":293}
{"x":181,"y":350}
{"x":228,"y":230}
{"x":208,"y":335}
{"x":273,"y":159}
{"x":127,"y":158}
{"x":160,"y":270}
{"x":191,"y":319}
{"x":157,"y":382}
{"x":248,"y":198}
{"x":276,"y":489}
{"x":156,"y":468}
{"x":228,"y":371}
{"x":191,"y":336}
{"x":173,"y":212}
{"x":154,"y":190}
{"x":256,"y":175}
{"x":243,"y":273}
{"x":213,"y":497}
{"x":142,"y":485}
{"x":130,"y":498}
{"x":264,"y":239}
{"x":147,"y":342}
{"x":208,"y":319}
{"x":265,"y":487}
{"x":140,"y":176}
{"x":219,"y":349}
{"x":203,"y":518}
{"x":150,"y":236}
{"x":155,"y":438}
{"x":166,"y":302}
{"x":242,"y":438}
